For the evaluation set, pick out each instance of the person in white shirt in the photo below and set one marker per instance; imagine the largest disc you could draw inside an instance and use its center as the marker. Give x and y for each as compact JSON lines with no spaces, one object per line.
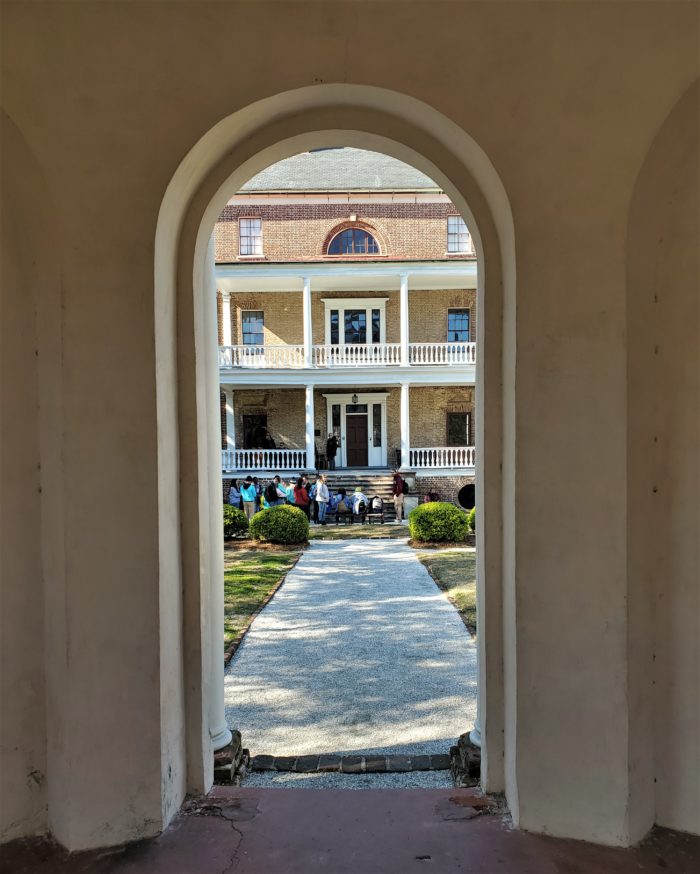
{"x":322,"y":498}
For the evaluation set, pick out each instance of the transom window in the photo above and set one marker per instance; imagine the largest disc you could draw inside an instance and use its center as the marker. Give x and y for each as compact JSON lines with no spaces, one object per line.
{"x":457,"y":235}
{"x":353,"y":241}
{"x":250,"y":236}
{"x":458,"y":326}
{"x":253,"y":322}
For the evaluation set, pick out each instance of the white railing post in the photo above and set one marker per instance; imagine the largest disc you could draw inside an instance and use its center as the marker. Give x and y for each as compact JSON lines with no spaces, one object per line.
{"x":308,"y":328}
{"x":405,"y":427}
{"x":310,"y":438}
{"x":403,"y":313}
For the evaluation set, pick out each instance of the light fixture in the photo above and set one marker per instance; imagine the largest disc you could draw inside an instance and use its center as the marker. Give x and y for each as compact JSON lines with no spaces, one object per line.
{"x":355,"y":399}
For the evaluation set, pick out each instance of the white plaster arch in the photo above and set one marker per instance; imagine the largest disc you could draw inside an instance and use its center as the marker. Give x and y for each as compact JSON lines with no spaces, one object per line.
{"x":190,"y":547}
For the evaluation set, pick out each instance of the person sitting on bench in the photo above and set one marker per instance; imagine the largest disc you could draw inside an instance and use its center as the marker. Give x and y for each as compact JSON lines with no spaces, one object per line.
{"x":360,"y":505}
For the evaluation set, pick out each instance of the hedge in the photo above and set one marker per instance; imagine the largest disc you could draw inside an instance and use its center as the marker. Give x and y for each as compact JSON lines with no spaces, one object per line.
{"x":235,"y":522}
{"x":283,"y":524}
{"x":471,"y":519}
{"x":438,"y":522}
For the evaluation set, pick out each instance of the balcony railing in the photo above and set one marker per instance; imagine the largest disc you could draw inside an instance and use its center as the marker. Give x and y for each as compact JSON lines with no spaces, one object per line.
{"x":284,"y":460}
{"x":360,"y":355}
{"x":442,"y":456}
{"x":263,"y":459}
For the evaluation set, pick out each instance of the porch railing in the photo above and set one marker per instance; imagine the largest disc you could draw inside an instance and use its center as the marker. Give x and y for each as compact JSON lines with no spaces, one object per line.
{"x":442,"y":456}
{"x":442,"y":353}
{"x":352,"y":355}
{"x":370,"y":355}
{"x":263,"y":357}
{"x":263,"y":459}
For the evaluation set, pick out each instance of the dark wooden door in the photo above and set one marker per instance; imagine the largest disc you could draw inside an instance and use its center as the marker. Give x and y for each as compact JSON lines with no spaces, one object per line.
{"x":356,"y":440}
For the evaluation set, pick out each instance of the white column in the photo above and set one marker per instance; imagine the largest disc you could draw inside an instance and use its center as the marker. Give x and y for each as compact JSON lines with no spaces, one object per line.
{"x":405,"y":427}
{"x":308,"y":335}
{"x":310,"y":438}
{"x":226,"y":318}
{"x":218,"y":729}
{"x":230,"y":420}
{"x":403,"y":310}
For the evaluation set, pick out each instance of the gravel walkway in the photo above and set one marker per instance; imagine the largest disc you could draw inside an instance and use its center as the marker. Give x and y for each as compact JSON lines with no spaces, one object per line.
{"x":358,"y":651}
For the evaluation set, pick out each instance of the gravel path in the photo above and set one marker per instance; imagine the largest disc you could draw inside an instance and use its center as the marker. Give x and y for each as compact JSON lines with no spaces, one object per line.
{"x":358,"y":651}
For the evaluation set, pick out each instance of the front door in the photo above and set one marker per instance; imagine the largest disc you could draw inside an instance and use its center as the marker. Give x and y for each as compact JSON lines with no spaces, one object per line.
{"x":356,"y":442}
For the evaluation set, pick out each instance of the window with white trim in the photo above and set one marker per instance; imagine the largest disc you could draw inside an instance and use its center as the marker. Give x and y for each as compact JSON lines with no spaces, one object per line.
{"x":250,"y":236}
{"x":457,"y":235}
{"x":355,"y":321}
{"x":252,"y":327}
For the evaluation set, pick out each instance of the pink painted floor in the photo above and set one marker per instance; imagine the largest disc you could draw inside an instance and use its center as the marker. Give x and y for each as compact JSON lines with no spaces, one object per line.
{"x":287,"y":831}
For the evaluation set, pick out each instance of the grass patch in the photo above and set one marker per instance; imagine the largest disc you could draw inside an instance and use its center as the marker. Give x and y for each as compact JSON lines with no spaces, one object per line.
{"x":455,"y":573}
{"x":351,"y":532}
{"x":249,"y":577}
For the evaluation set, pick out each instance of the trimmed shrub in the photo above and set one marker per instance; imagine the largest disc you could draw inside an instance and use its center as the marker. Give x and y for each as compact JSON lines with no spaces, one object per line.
{"x":438,"y":522}
{"x":283,"y":524}
{"x":471,"y":519}
{"x":235,"y":522}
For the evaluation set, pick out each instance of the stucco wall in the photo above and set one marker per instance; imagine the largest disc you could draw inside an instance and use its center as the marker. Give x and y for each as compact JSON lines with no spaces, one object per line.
{"x":110,"y":98}
{"x":664,"y":476}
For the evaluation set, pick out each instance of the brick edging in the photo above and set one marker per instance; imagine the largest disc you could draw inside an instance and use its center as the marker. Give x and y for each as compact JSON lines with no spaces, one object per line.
{"x":230,"y":650}
{"x":377,"y":764}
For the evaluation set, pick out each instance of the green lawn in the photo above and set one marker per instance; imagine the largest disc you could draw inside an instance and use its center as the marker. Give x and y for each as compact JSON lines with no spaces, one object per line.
{"x":455,"y":572}
{"x":350,"y":532}
{"x":249,"y":576}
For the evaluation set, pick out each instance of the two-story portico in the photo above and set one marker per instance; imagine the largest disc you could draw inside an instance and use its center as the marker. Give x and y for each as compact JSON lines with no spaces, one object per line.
{"x":344,"y":336}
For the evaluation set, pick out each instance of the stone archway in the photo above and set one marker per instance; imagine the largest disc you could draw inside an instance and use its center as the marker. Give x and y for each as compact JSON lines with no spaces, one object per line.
{"x":190,"y":545}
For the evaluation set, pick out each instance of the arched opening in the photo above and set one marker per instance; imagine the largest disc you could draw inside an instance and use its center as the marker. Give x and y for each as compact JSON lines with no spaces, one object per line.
{"x":232,"y":152}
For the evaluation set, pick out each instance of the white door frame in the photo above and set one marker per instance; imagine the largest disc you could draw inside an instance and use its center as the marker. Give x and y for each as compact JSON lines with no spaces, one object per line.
{"x":376,"y":456}
{"x":354,"y":303}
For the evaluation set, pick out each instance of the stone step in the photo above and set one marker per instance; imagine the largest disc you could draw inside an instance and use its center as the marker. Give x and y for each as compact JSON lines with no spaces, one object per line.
{"x":355,"y":764}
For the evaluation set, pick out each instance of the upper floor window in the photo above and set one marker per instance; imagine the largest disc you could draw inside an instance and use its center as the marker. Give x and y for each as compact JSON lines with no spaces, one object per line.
{"x":457,"y":235}
{"x":252,"y":322}
{"x":353,"y":241}
{"x":458,"y":326}
{"x":250,"y":236}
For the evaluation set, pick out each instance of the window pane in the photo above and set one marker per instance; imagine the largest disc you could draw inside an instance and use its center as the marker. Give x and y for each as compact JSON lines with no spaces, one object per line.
{"x":335,"y":413}
{"x":457,"y":429}
{"x":335,"y":327}
{"x":377,"y":424}
{"x":457,"y":234}
{"x":458,"y":326}
{"x":253,"y":322}
{"x":355,"y":326}
{"x":376,"y":326}
{"x":250,"y":231}
{"x":355,"y":408}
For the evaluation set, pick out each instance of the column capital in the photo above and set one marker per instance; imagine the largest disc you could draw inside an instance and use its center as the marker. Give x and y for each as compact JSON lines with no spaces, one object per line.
{"x":226,"y":295}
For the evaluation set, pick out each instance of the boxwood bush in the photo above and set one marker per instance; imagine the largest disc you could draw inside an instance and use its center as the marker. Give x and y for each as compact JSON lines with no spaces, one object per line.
{"x":235,"y":522}
{"x":283,"y":524}
{"x":471,"y":519}
{"x":438,"y":522}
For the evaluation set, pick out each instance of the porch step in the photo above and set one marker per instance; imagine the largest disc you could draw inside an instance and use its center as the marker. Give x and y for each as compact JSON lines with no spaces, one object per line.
{"x":372,"y":484}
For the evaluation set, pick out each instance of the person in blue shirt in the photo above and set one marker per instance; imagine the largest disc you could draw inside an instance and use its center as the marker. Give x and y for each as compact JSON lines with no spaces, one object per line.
{"x":250,"y":495}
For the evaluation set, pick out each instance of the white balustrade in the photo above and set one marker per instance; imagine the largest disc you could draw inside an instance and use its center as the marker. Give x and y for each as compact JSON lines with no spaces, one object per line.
{"x":357,"y":355}
{"x":263,"y":459}
{"x":442,"y":456}
{"x":261,"y":356}
{"x":442,"y":353}
{"x":351,"y":355}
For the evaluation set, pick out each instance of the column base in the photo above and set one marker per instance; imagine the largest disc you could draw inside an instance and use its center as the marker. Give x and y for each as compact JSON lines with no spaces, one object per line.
{"x":221,"y":737}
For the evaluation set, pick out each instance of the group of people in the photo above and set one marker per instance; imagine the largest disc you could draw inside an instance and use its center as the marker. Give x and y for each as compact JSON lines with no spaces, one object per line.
{"x":315,"y":499}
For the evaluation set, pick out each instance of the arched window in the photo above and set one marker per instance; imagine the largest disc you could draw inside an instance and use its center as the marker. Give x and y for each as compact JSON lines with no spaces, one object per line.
{"x":353,"y":241}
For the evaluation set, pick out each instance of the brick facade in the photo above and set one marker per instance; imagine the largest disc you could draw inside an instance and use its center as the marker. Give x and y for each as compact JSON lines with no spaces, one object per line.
{"x":427,"y":312}
{"x":295,"y":230}
{"x":284,"y":408}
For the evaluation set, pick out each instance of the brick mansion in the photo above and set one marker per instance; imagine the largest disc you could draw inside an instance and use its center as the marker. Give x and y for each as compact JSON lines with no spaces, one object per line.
{"x":346,"y":286}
